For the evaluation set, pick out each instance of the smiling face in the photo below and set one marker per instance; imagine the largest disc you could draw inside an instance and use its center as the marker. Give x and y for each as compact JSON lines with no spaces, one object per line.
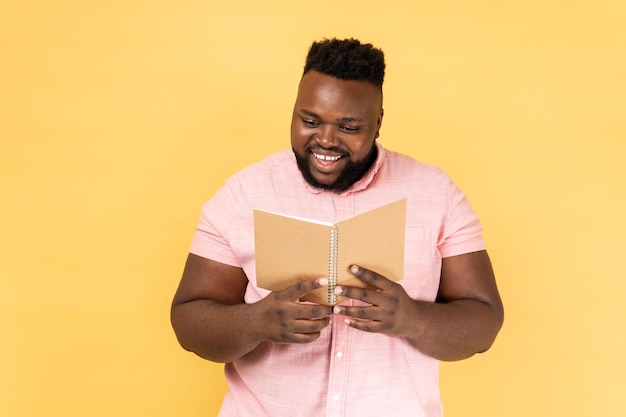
{"x":334,"y":128}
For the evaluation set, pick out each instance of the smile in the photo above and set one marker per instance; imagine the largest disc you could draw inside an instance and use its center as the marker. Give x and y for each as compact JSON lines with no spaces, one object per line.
{"x":326,"y":157}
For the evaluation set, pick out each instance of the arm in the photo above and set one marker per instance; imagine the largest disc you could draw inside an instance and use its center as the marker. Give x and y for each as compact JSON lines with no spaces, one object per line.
{"x":463,"y":321}
{"x":210,"y":318}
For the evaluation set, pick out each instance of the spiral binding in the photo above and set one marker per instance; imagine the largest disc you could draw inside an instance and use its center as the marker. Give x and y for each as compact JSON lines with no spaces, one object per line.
{"x":332,"y":265}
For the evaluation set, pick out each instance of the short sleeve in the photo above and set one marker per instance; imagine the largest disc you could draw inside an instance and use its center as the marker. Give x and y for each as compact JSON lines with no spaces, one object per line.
{"x":461,"y":231}
{"x":210,"y":239}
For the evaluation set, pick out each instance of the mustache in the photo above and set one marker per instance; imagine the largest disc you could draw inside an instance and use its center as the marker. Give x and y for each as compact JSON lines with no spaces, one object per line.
{"x":319,"y":149}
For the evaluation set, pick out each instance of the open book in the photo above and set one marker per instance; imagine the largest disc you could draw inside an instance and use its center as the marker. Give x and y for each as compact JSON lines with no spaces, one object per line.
{"x":292,"y":249}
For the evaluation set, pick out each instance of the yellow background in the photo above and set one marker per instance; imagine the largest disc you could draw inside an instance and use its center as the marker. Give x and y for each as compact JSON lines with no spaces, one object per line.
{"x":118,"y":119}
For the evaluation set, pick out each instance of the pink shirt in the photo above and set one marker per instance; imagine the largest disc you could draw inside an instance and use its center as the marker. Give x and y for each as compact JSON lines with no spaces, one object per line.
{"x":345,"y":372}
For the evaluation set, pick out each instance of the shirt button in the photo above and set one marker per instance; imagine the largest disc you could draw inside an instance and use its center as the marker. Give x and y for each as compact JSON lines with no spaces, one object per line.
{"x":340,"y":354}
{"x":336,"y":397}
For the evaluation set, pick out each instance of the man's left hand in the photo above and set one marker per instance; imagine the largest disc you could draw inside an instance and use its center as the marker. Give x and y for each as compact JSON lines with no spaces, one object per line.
{"x":390,"y":308}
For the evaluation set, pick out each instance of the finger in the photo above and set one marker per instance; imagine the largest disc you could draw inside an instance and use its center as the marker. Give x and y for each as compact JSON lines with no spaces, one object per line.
{"x":303,"y":331}
{"x":371,"y":277}
{"x":296,"y":291}
{"x":302,"y":337}
{"x":316,"y":311}
{"x":368,"y":295}
{"x":366,"y":325}
{"x":359,"y":312}
{"x":311,"y":312}
{"x":309,"y":326}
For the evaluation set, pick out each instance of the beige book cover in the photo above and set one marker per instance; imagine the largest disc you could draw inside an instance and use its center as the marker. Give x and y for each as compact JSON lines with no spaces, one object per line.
{"x":292,"y":249}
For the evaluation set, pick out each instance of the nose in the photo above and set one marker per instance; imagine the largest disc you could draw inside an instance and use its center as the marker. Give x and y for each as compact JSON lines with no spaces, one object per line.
{"x":327,"y":137}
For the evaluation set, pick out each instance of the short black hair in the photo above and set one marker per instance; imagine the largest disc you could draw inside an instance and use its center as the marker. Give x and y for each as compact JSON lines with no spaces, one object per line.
{"x":347,"y":59}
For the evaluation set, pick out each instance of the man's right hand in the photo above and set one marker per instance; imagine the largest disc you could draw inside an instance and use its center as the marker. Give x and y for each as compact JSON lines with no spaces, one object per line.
{"x":211,"y":318}
{"x":283,"y":319}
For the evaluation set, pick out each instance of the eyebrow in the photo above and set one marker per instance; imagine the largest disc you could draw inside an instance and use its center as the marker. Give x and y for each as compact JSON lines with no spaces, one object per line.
{"x":343,"y":119}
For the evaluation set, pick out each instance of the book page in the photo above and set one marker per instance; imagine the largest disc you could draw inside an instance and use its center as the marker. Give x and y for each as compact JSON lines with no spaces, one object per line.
{"x":373,"y":240}
{"x":290,"y":250}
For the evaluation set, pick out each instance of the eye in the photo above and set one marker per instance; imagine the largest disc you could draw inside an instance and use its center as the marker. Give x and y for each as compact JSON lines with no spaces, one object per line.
{"x":349,"y":129}
{"x":310,"y":123}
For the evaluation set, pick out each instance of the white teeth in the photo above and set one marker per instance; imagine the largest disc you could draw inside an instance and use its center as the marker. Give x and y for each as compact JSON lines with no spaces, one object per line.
{"x":326,"y":157}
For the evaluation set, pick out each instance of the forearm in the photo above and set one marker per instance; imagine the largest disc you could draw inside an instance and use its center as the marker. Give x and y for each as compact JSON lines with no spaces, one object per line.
{"x":454,"y":330}
{"x":215,"y":331}
{"x":211,"y":318}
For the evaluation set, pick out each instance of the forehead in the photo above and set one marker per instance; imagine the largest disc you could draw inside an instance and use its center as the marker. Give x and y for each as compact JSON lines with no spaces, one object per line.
{"x":333,"y":94}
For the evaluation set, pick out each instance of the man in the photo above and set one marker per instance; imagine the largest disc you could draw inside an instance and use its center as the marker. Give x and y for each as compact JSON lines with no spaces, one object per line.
{"x":376,"y":354}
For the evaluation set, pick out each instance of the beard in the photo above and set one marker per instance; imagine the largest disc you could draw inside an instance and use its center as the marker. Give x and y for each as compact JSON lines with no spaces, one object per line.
{"x":352,"y":172}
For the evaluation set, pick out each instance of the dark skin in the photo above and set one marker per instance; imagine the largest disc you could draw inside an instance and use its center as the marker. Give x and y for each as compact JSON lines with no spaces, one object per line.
{"x":464,"y":320}
{"x":336,"y":121}
{"x":211,"y":319}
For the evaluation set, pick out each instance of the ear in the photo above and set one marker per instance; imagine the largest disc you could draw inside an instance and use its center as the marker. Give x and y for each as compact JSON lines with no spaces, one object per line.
{"x":379,"y":122}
